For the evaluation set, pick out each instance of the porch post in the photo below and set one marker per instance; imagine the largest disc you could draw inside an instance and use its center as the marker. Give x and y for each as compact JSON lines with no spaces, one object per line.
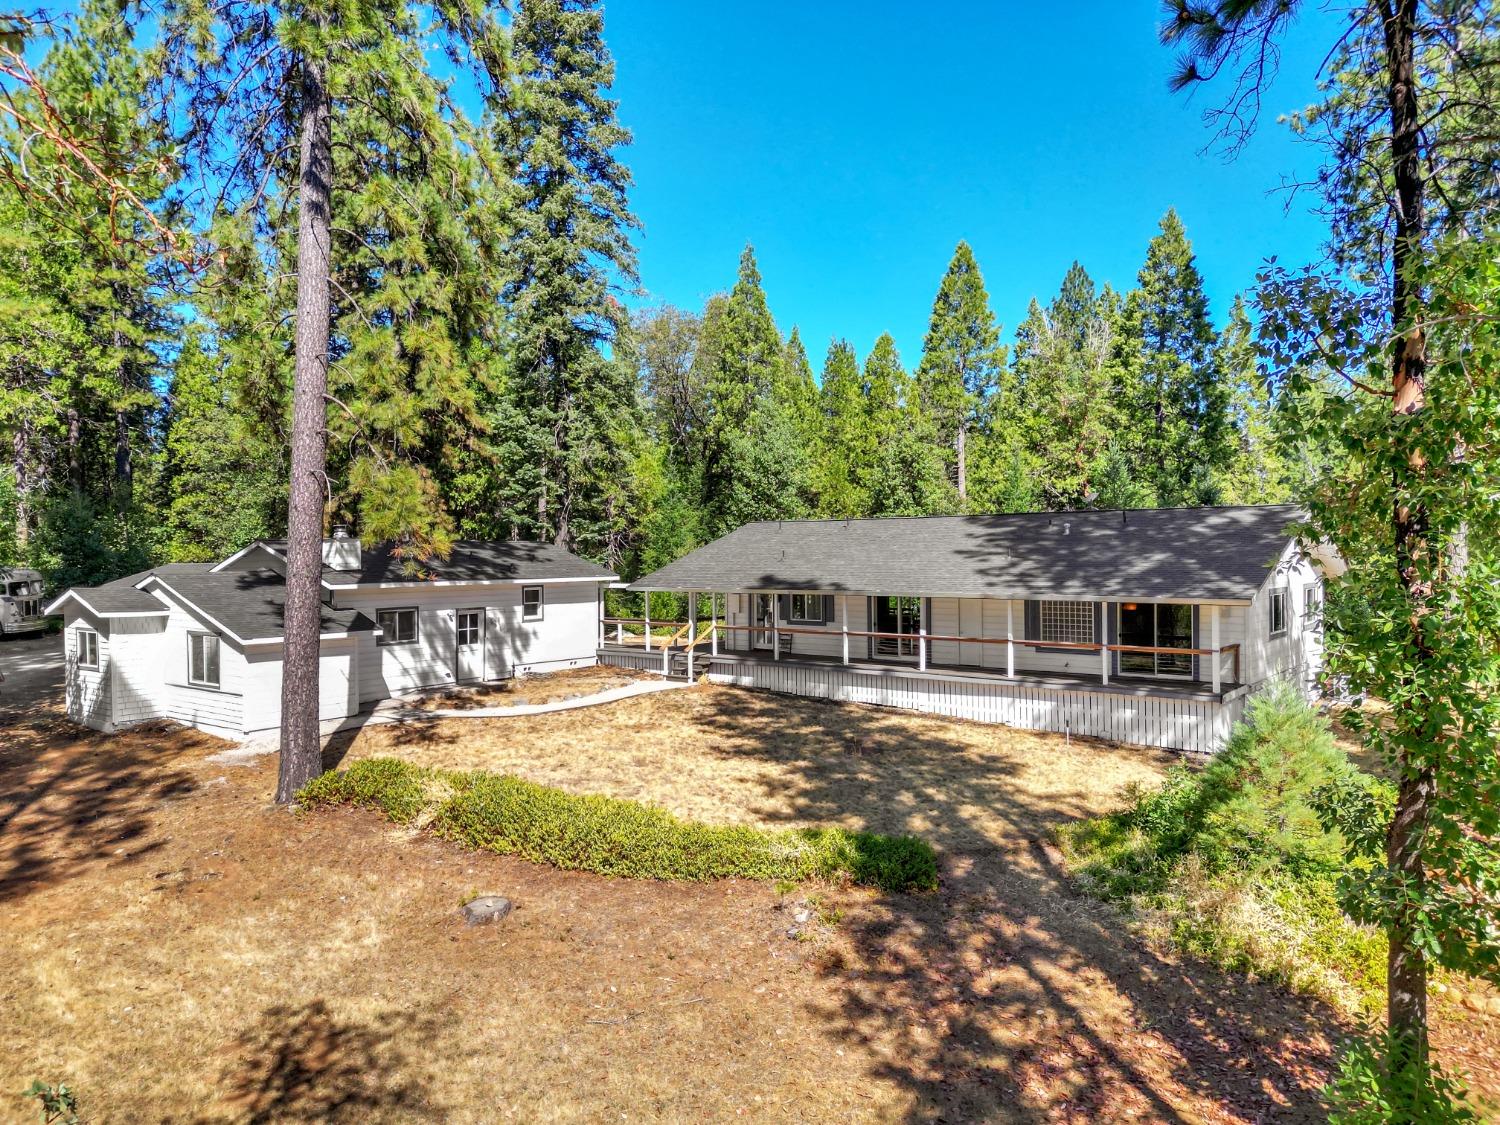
{"x":921,"y":634}
{"x":713,"y":624}
{"x":1010,"y":639}
{"x":844,"y":615}
{"x":648,"y":620}
{"x":601,"y":616}
{"x":692,"y":630}
{"x":775,"y":626}
{"x":1213,"y":643}
{"x":1104,"y":652}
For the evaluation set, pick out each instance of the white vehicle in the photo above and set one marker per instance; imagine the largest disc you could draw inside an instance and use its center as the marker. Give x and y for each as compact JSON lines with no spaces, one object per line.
{"x":21,"y":601}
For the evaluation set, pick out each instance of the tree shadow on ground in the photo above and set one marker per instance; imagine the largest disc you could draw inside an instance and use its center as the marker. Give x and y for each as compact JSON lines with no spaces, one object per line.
{"x":70,"y":796}
{"x":1007,"y":996}
{"x":306,"y":1064}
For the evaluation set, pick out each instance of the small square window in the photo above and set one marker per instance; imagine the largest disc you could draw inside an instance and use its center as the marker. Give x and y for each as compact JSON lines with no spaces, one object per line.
{"x":397,"y":626}
{"x":1278,"y":612}
{"x":1068,"y":622}
{"x":203,"y":659}
{"x":531,"y":603}
{"x":806,"y":609}
{"x":88,"y":648}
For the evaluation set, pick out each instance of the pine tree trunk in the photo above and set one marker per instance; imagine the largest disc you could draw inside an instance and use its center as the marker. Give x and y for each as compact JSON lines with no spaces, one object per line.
{"x":301,"y":752}
{"x":21,"y":465}
{"x":75,"y":459}
{"x":961,"y":452}
{"x":1406,"y":966}
{"x":124,"y":470}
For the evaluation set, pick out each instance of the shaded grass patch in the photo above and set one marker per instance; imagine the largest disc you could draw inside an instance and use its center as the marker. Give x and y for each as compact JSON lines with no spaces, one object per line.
{"x":610,"y":836}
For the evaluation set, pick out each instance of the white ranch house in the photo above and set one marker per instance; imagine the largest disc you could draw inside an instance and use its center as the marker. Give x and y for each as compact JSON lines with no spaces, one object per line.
{"x":202,"y":643}
{"x":1146,"y":627}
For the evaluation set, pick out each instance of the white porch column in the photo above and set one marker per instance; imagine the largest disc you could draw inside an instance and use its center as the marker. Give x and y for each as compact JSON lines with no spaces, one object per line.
{"x":1104,"y":650}
{"x":844,"y":618}
{"x":1213,"y":643}
{"x":692,"y":616}
{"x":648,"y":620}
{"x":775,"y":626}
{"x":601,"y":616}
{"x":1010,"y":638}
{"x":921,"y":634}
{"x":713,"y":624}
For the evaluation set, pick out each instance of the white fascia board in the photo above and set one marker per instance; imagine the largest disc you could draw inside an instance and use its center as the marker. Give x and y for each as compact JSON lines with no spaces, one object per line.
{"x":272,"y":641}
{"x":990,"y":597}
{"x":418,"y":583}
{"x":81,"y":600}
{"x":195,"y":607}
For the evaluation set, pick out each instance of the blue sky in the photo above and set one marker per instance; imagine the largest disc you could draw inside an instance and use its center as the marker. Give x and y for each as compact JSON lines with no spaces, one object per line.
{"x":855,"y":143}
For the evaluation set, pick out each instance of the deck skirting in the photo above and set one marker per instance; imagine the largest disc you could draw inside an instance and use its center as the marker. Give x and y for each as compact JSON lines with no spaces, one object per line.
{"x":1193,"y":722}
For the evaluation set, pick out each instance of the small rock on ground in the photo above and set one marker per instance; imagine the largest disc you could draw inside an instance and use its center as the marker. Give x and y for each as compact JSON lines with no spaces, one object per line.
{"x":486,"y":908}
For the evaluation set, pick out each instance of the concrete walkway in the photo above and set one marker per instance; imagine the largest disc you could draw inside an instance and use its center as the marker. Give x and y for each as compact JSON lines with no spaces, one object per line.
{"x":389,"y":711}
{"x":400,"y":711}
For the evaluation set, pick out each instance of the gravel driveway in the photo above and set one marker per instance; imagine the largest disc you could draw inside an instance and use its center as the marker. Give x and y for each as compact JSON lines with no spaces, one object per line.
{"x":33,"y":669}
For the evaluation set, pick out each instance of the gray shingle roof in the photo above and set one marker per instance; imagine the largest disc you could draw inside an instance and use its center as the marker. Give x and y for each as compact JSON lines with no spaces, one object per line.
{"x":119,"y":595}
{"x":472,"y":560}
{"x":251,"y":603}
{"x":1196,"y":553}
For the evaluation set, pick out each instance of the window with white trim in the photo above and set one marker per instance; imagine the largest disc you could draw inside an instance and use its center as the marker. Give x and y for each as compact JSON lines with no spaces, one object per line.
{"x":87,"y":649}
{"x":1277,"y":610}
{"x":397,"y":626}
{"x":1069,"y":622}
{"x":531,"y":603}
{"x":806,"y":609}
{"x":203,"y":659}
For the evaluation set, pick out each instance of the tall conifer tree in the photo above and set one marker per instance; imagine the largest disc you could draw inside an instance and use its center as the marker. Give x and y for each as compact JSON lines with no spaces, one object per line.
{"x":840,"y":482}
{"x":961,"y":361}
{"x":571,"y":244}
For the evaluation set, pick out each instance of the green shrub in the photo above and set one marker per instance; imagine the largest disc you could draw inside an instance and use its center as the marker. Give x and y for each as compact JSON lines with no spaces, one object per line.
{"x":1239,"y":862}
{"x":615,"y":837}
{"x":1368,"y":1090}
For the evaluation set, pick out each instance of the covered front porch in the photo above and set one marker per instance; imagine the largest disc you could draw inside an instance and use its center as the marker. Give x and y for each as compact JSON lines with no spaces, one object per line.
{"x":1169,"y":646}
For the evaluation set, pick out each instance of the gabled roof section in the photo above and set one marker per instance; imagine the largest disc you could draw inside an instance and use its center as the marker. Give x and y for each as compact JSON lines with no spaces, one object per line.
{"x":121,"y":597}
{"x":1205,"y":554}
{"x":472,"y":560}
{"x":250,"y":605}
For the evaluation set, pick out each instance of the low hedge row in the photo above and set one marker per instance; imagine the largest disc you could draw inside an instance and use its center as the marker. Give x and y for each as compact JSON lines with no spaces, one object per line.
{"x":610,"y":836}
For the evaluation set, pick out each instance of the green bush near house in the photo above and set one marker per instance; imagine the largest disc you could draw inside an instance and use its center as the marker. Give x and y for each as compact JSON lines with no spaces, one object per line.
{"x":1239,"y":862}
{"x":610,"y":836}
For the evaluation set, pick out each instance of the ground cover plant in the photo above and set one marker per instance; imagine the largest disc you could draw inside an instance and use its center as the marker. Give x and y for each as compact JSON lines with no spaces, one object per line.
{"x":1239,"y":861}
{"x":610,"y":836}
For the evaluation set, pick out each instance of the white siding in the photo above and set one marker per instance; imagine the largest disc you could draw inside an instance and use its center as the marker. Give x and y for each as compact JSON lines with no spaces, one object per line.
{"x":337,"y":684}
{"x":137,"y":646}
{"x":1296,"y":654}
{"x":217,"y":710}
{"x":566,"y":636}
{"x":87,"y":689}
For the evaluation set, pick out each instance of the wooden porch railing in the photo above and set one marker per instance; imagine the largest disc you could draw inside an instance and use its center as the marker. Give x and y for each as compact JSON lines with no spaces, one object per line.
{"x":713,"y":629}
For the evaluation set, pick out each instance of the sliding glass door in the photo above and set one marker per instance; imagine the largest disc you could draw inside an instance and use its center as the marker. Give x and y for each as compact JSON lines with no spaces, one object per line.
{"x":902,"y":616}
{"x":1156,"y":626}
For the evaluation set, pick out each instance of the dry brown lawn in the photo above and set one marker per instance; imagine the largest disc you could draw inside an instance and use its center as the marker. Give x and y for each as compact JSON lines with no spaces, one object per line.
{"x":178,"y":950}
{"x":551,"y":688}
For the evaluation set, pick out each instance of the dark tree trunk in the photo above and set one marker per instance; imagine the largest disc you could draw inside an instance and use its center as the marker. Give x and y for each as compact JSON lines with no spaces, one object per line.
{"x":301,"y":752}
{"x":75,"y":454}
{"x":1406,"y":967}
{"x":21,"y":466}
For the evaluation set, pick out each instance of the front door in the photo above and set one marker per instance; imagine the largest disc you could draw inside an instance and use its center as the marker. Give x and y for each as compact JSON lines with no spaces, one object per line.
{"x":902,"y":617}
{"x":764,"y":621}
{"x":1156,"y":626}
{"x":469,"y":664}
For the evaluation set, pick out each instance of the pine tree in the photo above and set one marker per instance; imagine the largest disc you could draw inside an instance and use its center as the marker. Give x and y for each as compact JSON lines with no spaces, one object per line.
{"x":1064,"y":375}
{"x":842,"y":473}
{"x":571,"y":243}
{"x":1257,"y":471}
{"x":222,"y":486}
{"x":961,"y":362}
{"x":1175,"y":403}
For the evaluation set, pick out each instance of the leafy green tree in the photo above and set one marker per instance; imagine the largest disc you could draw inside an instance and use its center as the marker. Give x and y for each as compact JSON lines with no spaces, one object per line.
{"x":961,"y":362}
{"x":222,"y":486}
{"x":1399,"y":315}
{"x":560,"y":131}
{"x":1175,"y":405}
{"x":800,"y":395}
